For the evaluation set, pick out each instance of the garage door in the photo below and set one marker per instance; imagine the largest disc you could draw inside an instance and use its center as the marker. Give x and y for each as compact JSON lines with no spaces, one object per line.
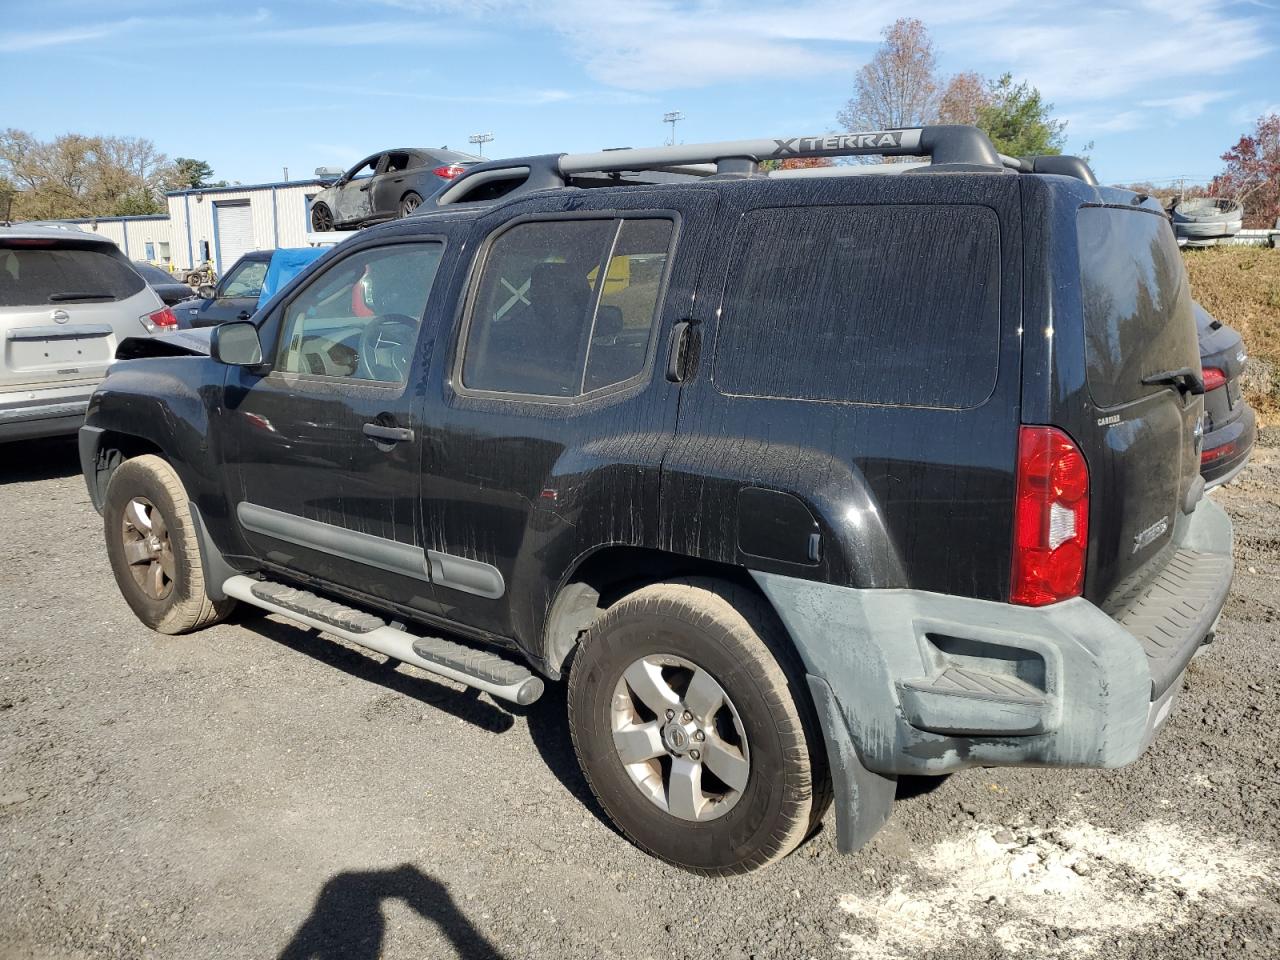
{"x":234,"y":223}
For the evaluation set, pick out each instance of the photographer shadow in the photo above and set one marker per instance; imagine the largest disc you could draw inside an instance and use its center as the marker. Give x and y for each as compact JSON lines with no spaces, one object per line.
{"x":347,"y":923}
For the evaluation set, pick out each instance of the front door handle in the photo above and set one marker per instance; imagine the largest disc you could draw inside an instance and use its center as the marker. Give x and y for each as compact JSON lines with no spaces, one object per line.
{"x":387,"y":434}
{"x":243,"y":315}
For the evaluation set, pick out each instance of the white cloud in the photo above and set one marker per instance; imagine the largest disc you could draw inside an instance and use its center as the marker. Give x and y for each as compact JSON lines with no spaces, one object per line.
{"x":1187,"y":104}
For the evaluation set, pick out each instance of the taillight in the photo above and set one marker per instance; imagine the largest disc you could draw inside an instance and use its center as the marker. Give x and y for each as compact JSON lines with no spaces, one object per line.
{"x":161,"y":321}
{"x":1217,"y":453}
{"x":448,"y":171}
{"x":1213,"y":378}
{"x":1050,"y":518}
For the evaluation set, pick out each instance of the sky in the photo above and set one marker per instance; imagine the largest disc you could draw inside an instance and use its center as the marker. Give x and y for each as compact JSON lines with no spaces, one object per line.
{"x":1160,"y":88}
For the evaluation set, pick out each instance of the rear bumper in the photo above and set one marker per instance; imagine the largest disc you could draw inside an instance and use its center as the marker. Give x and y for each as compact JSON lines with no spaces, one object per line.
{"x":925,"y":683}
{"x":27,"y":415}
{"x":1240,"y":433}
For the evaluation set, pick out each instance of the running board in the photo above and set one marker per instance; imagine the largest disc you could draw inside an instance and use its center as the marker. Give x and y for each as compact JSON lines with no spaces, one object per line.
{"x":474,"y":668}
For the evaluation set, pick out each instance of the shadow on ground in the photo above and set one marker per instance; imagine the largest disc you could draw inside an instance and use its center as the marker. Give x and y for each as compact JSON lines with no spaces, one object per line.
{"x":347,"y":923}
{"x":30,"y":461}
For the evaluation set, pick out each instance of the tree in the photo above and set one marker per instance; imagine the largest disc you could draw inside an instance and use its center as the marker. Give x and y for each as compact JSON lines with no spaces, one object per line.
{"x":964,"y":95}
{"x":83,"y":176}
{"x":1018,"y":121}
{"x":898,"y":87}
{"x":192,"y":173}
{"x":1252,"y":175}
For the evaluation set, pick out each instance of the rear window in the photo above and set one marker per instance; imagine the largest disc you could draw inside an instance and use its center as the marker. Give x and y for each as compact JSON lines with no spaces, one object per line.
{"x":864,"y":304}
{"x":1137,"y":304}
{"x":31,"y":276}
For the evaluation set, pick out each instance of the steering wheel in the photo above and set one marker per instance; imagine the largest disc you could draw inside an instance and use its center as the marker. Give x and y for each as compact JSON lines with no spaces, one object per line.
{"x":393,"y":334}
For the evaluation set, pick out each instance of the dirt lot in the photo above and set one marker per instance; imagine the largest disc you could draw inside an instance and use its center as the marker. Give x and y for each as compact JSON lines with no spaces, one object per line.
{"x":257,"y":791}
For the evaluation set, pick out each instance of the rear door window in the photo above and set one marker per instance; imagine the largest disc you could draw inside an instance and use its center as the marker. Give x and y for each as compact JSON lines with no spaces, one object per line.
{"x":863,"y":304}
{"x":1136,"y":301}
{"x":543,"y":325}
{"x":34,"y":275}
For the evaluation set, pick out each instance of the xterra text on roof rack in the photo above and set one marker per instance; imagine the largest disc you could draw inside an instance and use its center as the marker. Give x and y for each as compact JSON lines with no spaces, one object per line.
{"x":804,"y":479}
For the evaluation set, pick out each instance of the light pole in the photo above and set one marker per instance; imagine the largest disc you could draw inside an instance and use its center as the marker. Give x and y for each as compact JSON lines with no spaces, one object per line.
{"x":480,"y":139}
{"x":674,"y":117}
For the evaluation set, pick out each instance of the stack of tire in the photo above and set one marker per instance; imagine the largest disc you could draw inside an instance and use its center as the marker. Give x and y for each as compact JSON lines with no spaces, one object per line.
{"x":1204,"y":221}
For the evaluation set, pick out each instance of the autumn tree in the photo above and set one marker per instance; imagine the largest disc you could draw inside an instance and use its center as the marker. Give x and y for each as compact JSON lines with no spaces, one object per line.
{"x":75,"y":175}
{"x":1252,"y":175}
{"x":898,"y":87}
{"x":965,"y":94}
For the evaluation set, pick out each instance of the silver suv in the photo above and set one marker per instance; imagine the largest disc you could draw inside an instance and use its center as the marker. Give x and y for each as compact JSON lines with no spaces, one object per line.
{"x":67,"y":298}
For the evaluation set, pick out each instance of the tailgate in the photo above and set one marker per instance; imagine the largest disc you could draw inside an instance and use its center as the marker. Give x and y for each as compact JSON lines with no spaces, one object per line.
{"x":48,"y":347}
{"x":1142,"y":363}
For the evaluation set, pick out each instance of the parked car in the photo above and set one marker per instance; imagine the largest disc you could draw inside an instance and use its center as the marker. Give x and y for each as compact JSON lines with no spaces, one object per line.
{"x":806,"y":481}
{"x":234,"y":298}
{"x":384,"y":186}
{"x":250,"y":283}
{"x":168,"y":287}
{"x":67,"y":298}
{"x":1229,"y":427}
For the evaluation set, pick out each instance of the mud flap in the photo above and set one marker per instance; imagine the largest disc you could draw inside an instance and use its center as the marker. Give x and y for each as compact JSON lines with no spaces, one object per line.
{"x":864,"y":799}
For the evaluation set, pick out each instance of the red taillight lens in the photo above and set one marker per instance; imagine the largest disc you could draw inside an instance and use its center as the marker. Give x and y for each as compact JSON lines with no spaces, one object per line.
{"x":1217,"y":453}
{"x":1213,"y":378}
{"x":161,"y":320}
{"x":1050,"y":518}
{"x":449,"y":170}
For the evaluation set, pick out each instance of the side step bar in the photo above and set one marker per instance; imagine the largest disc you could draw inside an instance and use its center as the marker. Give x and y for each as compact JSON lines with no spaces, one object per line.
{"x":474,"y":668}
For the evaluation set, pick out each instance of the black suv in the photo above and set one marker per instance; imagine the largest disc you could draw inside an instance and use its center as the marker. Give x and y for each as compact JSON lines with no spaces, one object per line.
{"x":805,"y":479}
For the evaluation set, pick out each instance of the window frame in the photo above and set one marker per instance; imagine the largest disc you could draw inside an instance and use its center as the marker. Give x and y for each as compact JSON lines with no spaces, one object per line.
{"x":360,"y":383}
{"x":466,"y":309}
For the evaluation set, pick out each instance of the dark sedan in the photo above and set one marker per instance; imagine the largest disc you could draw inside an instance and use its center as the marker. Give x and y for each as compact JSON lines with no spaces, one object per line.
{"x":168,"y":287}
{"x":384,"y":186}
{"x":234,"y":298}
{"x":1229,"y":427}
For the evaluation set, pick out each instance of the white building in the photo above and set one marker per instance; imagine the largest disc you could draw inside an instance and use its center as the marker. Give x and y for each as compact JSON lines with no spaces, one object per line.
{"x":217,"y":224}
{"x":221,"y":223}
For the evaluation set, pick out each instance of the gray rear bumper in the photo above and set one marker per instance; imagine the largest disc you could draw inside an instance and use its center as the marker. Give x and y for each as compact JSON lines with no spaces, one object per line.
{"x":924,"y":683}
{"x":44,"y":413}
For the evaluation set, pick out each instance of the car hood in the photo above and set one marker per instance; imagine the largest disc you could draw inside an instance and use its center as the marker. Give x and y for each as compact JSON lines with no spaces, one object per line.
{"x":193,"y":343}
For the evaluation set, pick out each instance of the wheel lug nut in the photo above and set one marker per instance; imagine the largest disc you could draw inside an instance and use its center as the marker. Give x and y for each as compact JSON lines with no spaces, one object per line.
{"x":670,"y":714}
{"x":699,"y":736}
{"x":694,"y":755}
{"x":687,"y":716}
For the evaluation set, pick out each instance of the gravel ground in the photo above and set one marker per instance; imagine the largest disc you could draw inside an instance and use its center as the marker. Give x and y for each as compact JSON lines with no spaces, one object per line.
{"x":258,"y":791}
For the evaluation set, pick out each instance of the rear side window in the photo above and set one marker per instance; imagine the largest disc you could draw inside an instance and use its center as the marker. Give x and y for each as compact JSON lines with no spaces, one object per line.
{"x":865,"y":304}
{"x":542,"y":321}
{"x":32,"y":276}
{"x":1137,"y":304}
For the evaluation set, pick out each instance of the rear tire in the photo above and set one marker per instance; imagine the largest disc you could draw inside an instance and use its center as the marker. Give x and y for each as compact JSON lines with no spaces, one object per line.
{"x":321,"y":218}
{"x":409,"y":203}
{"x":152,"y":546}
{"x":754,"y":762}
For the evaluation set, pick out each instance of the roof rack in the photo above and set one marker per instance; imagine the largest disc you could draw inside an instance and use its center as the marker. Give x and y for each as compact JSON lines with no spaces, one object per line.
{"x":961,"y":147}
{"x":1062,"y":165}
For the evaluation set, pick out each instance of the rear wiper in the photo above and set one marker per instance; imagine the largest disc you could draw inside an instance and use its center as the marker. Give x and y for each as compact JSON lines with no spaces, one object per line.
{"x":60,"y":297}
{"x":1186,"y":379}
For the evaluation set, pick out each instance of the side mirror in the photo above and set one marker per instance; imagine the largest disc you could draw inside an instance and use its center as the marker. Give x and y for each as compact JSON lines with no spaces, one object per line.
{"x":236,"y":344}
{"x":206,"y":291}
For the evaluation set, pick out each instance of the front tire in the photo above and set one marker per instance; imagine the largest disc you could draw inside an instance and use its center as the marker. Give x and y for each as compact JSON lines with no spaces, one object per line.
{"x":693,"y":727}
{"x":321,"y":218}
{"x":152,"y":546}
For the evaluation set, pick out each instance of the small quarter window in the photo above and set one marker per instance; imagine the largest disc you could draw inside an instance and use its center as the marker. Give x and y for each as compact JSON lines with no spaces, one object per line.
{"x":544,"y":324}
{"x":360,"y":318}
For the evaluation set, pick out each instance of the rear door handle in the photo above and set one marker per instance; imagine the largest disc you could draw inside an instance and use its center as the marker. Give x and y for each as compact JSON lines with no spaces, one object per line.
{"x":678,"y":351}
{"x":387,"y":434}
